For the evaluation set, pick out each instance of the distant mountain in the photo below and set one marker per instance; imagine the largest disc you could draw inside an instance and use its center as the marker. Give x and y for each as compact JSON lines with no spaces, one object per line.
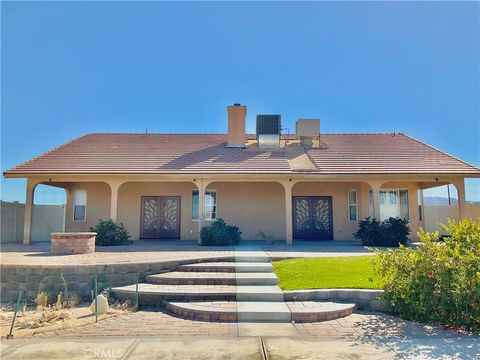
{"x":438,"y":200}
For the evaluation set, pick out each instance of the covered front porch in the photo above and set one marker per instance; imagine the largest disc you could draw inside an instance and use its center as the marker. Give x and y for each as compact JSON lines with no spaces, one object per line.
{"x":282,"y":209}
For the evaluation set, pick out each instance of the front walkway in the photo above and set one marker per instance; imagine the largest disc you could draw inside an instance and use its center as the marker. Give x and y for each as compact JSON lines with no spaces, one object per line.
{"x":358,"y":336}
{"x":143,"y":251}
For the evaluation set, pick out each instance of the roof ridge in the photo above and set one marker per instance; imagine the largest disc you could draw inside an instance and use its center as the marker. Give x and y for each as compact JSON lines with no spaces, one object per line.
{"x":153,"y":133}
{"x":45,"y":153}
{"x":190,"y":133}
{"x":441,"y":151}
{"x":372,"y":133}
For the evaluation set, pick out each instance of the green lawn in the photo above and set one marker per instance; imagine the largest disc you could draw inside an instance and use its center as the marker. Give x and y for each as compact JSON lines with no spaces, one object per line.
{"x":327,"y":272}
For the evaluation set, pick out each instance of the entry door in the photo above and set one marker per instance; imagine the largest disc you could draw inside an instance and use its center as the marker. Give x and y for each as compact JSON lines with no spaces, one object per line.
{"x":312,"y":217}
{"x":160,"y":217}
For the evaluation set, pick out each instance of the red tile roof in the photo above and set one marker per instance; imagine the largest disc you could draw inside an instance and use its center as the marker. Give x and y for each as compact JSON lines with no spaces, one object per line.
{"x":206,"y":153}
{"x":384,"y":154}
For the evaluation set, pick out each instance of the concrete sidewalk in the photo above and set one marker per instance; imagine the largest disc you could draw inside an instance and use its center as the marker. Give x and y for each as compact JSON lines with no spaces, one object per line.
{"x":251,"y":348}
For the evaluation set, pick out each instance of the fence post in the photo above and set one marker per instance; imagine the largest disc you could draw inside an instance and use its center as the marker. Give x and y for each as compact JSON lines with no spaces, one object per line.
{"x":95,"y":294}
{"x":17,"y":307}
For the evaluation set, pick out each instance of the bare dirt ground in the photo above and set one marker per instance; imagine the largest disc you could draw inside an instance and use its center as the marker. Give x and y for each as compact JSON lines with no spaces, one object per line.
{"x":33,"y":320}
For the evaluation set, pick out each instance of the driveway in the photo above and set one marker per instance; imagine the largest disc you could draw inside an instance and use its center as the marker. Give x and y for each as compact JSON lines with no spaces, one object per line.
{"x":152,"y":335}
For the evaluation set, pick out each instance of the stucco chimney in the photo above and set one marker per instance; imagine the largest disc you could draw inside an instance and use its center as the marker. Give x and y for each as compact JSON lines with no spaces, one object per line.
{"x":236,"y":125}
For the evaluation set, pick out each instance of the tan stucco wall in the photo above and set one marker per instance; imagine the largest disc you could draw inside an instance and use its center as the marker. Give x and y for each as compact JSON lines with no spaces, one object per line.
{"x":253,"y":207}
{"x":98,"y":205}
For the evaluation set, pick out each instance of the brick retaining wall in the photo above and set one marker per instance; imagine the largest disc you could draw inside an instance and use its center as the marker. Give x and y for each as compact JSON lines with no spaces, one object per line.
{"x":72,"y":243}
{"x":364,"y":299}
{"x":31,"y":279}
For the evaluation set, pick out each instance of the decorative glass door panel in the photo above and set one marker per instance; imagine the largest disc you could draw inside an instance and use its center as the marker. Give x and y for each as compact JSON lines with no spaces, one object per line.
{"x":160,"y":217}
{"x":312,"y":217}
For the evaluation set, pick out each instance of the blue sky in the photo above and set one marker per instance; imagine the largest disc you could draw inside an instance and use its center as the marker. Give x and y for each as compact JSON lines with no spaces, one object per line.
{"x":73,"y":68}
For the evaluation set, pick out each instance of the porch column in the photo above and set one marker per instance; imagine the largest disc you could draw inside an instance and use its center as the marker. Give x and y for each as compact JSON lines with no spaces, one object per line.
{"x":460,"y":185}
{"x":201,"y":207}
{"x":288,"y":211}
{"x":376,"y":199}
{"x":114,"y":186}
{"x":27,"y":224}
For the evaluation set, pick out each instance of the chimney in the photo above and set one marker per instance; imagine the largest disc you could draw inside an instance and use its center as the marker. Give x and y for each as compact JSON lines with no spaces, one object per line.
{"x":236,"y":125}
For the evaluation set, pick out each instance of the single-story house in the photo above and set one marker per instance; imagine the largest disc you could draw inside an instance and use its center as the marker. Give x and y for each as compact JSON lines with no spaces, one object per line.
{"x":306,"y":185}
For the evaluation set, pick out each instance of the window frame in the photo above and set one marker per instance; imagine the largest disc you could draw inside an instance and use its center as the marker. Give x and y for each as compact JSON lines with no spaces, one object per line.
{"x":75,"y":205}
{"x":205,"y":206}
{"x":398,"y":204}
{"x":352,"y":204}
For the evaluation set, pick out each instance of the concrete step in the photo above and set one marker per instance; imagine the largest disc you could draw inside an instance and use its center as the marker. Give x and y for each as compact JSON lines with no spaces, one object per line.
{"x":256,"y":279}
{"x":262,"y":311}
{"x":314,"y":311}
{"x":154,"y":295}
{"x":228,"y":267}
{"x":192,"y":278}
{"x":252,"y":256}
{"x":259,"y":293}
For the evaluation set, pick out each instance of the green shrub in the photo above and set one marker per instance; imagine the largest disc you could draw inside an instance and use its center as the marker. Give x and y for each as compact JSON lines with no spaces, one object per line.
{"x":391,"y":232}
{"x":219,"y":233}
{"x":110,"y":233}
{"x":439,"y":283}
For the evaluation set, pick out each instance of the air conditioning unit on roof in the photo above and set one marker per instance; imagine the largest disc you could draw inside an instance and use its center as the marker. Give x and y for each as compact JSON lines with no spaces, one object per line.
{"x":269,"y":129}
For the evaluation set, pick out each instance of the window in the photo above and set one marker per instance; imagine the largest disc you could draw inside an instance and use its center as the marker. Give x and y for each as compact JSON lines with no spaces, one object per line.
{"x":393,"y":203}
{"x":80,"y":205}
{"x":210,"y":205}
{"x":403,"y":195}
{"x":352,"y":205}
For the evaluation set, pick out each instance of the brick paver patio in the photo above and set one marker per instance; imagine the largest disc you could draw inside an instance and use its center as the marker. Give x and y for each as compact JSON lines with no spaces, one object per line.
{"x":38,"y":254}
{"x":150,"y":323}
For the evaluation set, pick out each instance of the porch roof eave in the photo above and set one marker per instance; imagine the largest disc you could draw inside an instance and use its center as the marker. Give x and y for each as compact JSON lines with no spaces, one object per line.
{"x":247,"y":176}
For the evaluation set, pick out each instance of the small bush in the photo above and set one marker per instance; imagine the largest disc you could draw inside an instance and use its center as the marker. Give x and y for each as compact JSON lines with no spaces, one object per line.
{"x":391,"y":232}
{"x":110,"y":233}
{"x":42,"y":299}
{"x":439,"y":283}
{"x":219,"y":233}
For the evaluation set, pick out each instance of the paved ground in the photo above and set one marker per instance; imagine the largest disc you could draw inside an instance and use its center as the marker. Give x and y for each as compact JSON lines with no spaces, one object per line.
{"x":147,"y":251}
{"x":358,"y":336}
{"x":251,"y":348}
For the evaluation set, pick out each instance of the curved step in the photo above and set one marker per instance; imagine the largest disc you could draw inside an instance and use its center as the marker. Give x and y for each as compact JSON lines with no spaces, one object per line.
{"x":153,"y":294}
{"x":254,"y":311}
{"x":204,"y":310}
{"x":315,"y":311}
{"x":192,"y":278}
{"x":240,"y":267}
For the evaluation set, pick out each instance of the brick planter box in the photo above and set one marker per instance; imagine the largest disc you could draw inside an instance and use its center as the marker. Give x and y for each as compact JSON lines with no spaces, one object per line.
{"x":72,"y":243}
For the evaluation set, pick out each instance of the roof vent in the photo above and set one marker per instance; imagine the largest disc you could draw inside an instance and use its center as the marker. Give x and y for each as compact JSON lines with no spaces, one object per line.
{"x":269,"y":128}
{"x":307,"y":130}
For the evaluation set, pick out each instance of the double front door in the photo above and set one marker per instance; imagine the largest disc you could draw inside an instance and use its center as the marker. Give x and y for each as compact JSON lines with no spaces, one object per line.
{"x":312,"y":217}
{"x":160,"y":217}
